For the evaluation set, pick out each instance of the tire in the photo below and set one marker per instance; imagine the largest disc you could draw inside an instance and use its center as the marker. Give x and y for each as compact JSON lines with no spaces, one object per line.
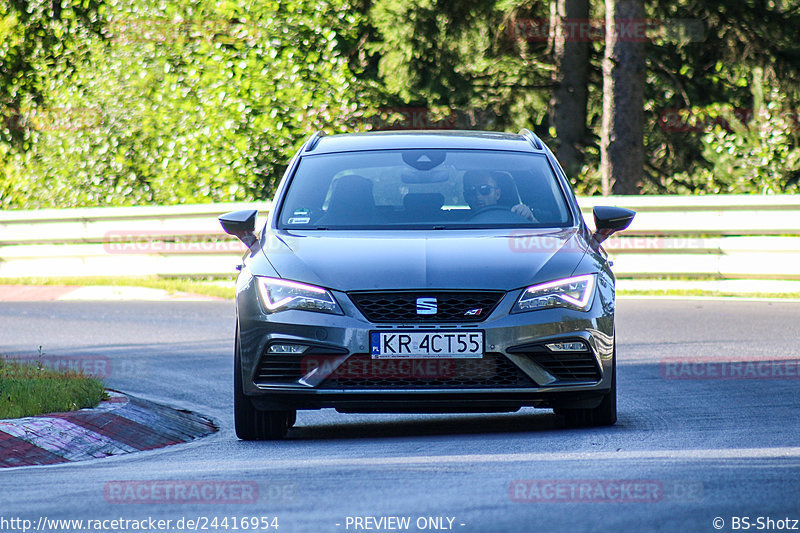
{"x":249,"y":422}
{"x":604,"y":414}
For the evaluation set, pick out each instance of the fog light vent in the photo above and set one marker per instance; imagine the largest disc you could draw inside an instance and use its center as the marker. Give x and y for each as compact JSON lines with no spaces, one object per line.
{"x":567,"y":347}
{"x":286,"y":348}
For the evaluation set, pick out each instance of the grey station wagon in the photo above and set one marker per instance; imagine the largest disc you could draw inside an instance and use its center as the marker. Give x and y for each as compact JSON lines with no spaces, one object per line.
{"x":419,"y":271}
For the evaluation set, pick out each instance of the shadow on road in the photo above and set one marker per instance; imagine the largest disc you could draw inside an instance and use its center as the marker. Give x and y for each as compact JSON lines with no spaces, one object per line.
{"x":436,"y":425}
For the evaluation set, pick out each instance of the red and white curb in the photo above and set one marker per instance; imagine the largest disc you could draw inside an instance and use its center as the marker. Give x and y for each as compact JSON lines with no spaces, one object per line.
{"x":25,"y":293}
{"x":122,"y":424}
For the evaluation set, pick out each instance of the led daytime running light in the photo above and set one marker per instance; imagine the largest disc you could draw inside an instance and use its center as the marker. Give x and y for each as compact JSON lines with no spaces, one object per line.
{"x":585,"y":297}
{"x":575,"y":292}
{"x":292,"y":285}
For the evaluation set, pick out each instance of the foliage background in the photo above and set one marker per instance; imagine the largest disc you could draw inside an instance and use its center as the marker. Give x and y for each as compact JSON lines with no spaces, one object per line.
{"x":130,"y":102}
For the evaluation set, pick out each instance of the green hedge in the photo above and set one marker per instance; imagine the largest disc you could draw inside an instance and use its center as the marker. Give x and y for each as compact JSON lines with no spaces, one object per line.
{"x":201,"y":102}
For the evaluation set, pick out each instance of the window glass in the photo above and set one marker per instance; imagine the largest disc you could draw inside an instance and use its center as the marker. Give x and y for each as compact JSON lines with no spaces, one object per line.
{"x":424,"y":188}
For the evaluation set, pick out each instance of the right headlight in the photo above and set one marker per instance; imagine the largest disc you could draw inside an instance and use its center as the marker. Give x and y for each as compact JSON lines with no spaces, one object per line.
{"x":573,"y":293}
{"x":281,"y":294}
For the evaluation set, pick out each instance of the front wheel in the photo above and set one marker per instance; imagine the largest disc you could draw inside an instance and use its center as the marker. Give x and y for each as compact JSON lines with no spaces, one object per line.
{"x":604,"y":414}
{"x":249,"y":422}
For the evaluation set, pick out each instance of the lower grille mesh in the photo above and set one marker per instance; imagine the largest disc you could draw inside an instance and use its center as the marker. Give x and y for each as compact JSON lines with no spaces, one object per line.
{"x":359,"y":371}
{"x":279,"y":368}
{"x":568,"y":366}
{"x":287,"y":368}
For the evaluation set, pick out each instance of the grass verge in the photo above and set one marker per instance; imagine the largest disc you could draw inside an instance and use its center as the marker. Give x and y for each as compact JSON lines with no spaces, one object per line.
{"x":30,"y":389}
{"x":218,"y":287}
{"x":710,"y":294}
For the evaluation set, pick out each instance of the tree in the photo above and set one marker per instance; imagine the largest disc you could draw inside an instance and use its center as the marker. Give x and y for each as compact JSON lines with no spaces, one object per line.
{"x":189,"y":101}
{"x":480,"y":58}
{"x":37,"y":35}
{"x":703,"y":61}
{"x":570,"y":96}
{"x":622,"y":144}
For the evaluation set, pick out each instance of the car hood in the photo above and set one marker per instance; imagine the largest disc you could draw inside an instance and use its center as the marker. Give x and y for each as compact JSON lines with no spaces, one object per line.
{"x":466,"y":259}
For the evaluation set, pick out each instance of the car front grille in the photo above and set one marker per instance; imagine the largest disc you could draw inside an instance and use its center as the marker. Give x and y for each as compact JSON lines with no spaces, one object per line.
{"x":494,"y":370}
{"x":451,"y":306}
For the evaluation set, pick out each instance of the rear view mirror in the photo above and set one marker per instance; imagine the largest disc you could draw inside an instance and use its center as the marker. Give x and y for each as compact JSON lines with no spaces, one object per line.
{"x":242,"y":225}
{"x":609,"y":220}
{"x":431,"y":176}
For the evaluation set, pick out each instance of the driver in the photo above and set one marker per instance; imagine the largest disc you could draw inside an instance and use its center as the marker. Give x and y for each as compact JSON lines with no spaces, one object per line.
{"x":481,"y":190}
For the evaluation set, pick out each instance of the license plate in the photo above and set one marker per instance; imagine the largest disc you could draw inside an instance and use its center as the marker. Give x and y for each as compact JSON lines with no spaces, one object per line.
{"x":426,"y":344}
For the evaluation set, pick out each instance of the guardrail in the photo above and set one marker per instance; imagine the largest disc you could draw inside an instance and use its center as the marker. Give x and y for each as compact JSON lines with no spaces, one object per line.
{"x":711,"y":237}
{"x":183,"y":240}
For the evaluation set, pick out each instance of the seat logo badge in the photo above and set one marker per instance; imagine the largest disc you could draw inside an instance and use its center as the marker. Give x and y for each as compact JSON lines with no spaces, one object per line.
{"x":474,"y":312}
{"x":427,"y":306}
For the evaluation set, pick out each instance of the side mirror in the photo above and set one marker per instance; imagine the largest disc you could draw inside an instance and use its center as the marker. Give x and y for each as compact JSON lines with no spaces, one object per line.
{"x":609,"y":220}
{"x":242,"y":225}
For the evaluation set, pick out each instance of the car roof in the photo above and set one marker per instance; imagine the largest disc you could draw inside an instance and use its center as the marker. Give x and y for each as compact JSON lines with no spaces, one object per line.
{"x":431,"y":139}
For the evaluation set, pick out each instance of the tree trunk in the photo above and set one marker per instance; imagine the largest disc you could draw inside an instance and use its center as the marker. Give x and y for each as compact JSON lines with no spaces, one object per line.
{"x":622,"y":145}
{"x":569,"y":99}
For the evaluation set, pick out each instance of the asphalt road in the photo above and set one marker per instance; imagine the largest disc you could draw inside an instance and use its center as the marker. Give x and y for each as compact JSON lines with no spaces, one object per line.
{"x":689,"y":447}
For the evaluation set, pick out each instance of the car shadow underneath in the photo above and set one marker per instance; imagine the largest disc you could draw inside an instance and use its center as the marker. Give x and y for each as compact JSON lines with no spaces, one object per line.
{"x":432,"y":425}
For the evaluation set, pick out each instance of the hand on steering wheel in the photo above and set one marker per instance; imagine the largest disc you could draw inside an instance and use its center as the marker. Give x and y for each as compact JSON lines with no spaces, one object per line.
{"x":523,"y":211}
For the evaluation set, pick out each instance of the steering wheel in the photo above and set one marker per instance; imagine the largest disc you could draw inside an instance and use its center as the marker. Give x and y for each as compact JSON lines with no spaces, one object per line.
{"x":488,"y":209}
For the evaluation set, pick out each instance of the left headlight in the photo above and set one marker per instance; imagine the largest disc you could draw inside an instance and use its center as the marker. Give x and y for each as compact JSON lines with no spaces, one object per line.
{"x":573,"y":293}
{"x":280,"y":295}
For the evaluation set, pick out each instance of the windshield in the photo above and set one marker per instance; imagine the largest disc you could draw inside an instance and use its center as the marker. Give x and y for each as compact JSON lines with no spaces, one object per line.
{"x":423,"y":189}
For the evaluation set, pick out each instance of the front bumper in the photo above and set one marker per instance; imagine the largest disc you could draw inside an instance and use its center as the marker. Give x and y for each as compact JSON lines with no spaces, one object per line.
{"x":517,"y":370}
